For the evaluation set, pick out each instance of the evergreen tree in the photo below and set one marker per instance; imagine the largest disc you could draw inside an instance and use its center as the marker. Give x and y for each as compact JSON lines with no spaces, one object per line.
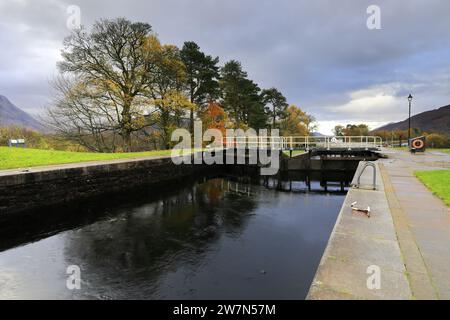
{"x":276,"y":105}
{"x":202,"y":75}
{"x":241,"y":97}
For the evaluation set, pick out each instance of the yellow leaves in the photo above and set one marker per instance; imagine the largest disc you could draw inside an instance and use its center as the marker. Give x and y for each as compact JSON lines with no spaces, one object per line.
{"x":295,"y":112}
{"x":151,"y":49}
{"x":176,"y":101}
{"x":163,"y":61}
{"x":138,"y":121}
{"x":152,"y":43}
{"x":295,"y":122}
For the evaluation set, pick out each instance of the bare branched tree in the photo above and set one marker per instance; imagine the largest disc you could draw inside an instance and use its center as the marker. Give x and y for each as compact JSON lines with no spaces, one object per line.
{"x":116,"y":82}
{"x":108,"y":87}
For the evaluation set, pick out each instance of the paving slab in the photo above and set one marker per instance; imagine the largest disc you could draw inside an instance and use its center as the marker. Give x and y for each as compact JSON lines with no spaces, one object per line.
{"x":422,"y":222}
{"x":347,"y":279}
{"x":358,"y":243}
{"x":407,"y":237}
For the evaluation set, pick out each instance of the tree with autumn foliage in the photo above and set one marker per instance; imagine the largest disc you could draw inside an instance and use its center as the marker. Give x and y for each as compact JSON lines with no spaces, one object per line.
{"x":166,"y":83}
{"x":117,"y":81}
{"x":214,"y":117}
{"x":436,"y":140}
{"x":293,"y":124}
{"x":356,"y":130}
{"x":103,"y":84}
{"x":121,"y":88}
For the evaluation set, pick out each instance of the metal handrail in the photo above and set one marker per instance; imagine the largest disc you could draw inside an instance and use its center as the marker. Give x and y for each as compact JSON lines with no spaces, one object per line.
{"x":365,"y":165}
{"x":347,"y":142}
{"x":304,"y":142}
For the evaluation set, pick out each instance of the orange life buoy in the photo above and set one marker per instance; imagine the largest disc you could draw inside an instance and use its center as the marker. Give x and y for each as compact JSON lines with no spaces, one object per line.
{"x":418,"y":144}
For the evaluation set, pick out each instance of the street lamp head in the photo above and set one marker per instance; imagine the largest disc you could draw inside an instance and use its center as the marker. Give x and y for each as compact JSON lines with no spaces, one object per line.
{"x":410,"y":98}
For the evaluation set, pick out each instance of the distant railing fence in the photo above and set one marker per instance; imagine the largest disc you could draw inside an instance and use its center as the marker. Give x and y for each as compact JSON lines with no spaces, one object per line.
{"x":303,"y":142}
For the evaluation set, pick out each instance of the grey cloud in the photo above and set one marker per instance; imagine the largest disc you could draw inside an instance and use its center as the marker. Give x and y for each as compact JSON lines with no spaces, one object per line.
{"x":317,"y":52}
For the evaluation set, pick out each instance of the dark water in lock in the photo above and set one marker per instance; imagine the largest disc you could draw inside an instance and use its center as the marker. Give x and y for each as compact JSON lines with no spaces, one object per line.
{"x":218,"y":238}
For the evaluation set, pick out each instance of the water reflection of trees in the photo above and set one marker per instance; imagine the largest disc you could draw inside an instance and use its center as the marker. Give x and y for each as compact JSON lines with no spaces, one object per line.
{"x":42,"y":223}
{"x":130,"y":253}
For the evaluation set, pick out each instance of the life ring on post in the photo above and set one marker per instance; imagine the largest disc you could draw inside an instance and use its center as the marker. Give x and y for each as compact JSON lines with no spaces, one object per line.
{"x":418,"y":144}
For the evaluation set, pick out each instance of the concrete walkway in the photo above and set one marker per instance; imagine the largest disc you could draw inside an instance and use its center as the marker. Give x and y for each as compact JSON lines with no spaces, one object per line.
{"x":357,"y":243}
{"x":422,"y":222}
{"x":407,"y":236}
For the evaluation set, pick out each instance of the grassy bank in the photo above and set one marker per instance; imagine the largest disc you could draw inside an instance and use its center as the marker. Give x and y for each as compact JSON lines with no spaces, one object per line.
{"x":294,"y":152}
{"x":442,"y":150}
{"x":11,"y":158}
{"x":428,"y":149}
{"x":437,"y":181}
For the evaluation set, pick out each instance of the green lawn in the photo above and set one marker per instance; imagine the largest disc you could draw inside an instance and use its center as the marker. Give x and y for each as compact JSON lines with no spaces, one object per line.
{"x":23,"y":158}
{"x":294,"y":152}
{"x":437,"y":181}
{"x":428,"y":149}
{"x":442,"y":150}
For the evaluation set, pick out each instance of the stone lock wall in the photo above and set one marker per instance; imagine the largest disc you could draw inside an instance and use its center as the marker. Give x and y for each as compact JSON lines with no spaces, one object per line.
{"x":21,"y":191}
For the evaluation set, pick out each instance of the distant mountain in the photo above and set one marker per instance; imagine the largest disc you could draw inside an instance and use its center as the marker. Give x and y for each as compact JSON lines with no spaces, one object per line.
{"x":437,"y":120}
{"x":12,"y":115}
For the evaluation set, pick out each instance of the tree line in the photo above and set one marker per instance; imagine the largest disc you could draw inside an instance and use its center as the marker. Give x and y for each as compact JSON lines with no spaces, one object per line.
{"x":121,"y":89}
{"x":400,"y":137}
{"x":394,"y":137}
{"x":351,"y":130}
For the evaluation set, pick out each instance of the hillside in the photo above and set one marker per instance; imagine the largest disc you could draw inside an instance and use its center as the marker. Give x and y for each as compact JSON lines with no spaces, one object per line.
{"x":437,"y":120}
{"x":12,"y":115}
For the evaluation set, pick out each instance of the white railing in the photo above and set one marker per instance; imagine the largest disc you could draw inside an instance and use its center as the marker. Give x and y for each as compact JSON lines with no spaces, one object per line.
{"x":253,"y":142}
{"x":325,"y":142}
{"x":303,"y":142}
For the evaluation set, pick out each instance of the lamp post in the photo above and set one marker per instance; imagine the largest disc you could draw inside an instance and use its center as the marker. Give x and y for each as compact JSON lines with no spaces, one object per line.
{"x":410,"y":97}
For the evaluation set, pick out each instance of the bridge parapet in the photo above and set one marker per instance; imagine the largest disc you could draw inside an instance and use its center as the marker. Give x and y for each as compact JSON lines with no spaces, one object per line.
{"x":305,"y":142}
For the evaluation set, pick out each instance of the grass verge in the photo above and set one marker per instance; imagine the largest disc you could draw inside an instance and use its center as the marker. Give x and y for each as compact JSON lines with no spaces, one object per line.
{"x":442,"y":150}
{"x":11,"y":158}
{"x":294,"y":152}
{"x":438,"y":181}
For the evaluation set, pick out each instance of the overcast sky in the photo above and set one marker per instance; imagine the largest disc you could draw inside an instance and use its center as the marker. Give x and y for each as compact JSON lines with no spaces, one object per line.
{"x":319,"y":53}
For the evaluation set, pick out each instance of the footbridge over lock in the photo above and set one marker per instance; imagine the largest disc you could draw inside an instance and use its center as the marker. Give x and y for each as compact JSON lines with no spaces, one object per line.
{"x":322,"y":153}
{"x":305,"y":143}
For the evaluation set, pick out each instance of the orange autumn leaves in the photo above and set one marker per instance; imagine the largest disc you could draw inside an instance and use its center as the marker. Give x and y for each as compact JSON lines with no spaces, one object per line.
{"x":294,"y":123}
{"x":214,"y":117}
